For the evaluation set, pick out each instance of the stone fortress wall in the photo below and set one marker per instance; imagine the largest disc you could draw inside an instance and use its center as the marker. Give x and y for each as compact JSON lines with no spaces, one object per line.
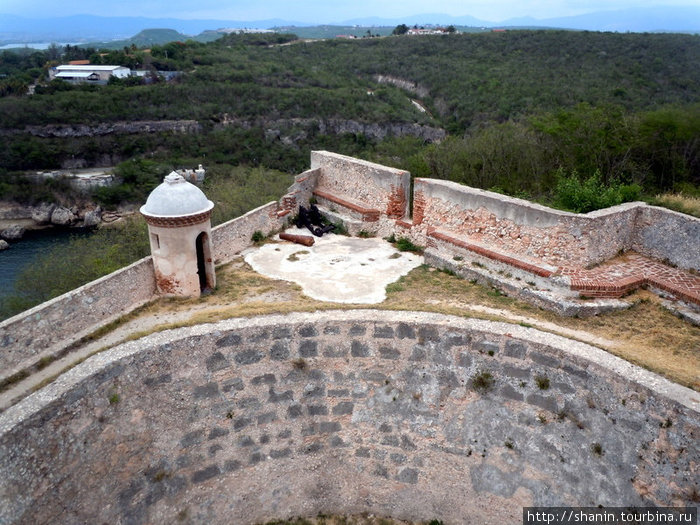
{"x":376,"y":199}
{"x":526,"y":229}
{"x":250,"y":420}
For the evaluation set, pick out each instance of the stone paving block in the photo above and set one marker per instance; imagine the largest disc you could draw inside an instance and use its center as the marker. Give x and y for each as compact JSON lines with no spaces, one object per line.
{"x":510,"y":392}
{"x":342,"y":392}
{"x":204,"y":391}
{"x":545,"y":360}
{"x":265,"y":379}
{"x":232,"y":465}
{"x":279,"y":351}
{"x":317,"y":410}
{"x":383,"y":332}
{"x":294,"y":411}
{"x":335,"y":352}
{"x":308,"y":349}
{"x":267,"y":417}
{"x":235,"y":383}
{"x":192,"y":438}
{"x":343,"y":408}
{"x":545,"y":402}
{"x":279,"y":397}
{"x":158,"y":380}
{"x":248,"y":357}
{"x":205,"y":474}
{"x":282,"y":332}
{"x":516,"y":349}
{"x":229,"y":340}
{"x":386,"y":352}
{"x":464,"y":360}
{"x":308,"y":330}
{"x":514,"y":371}
{"x":408,"y":475}
{"x":357,"y":329}
{"x":428,"y":333}
{"x":216,"y":362}
{"x":358,"y":349}
{"x":487,"y":347}
{"x":217,"y":432}
{"x":405,"y":331}
{"x":312,"y":390}
{"x":280,"y":453}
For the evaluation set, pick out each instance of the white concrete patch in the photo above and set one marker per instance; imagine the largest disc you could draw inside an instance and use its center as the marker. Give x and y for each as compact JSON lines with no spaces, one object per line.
{"x":336,"y":268}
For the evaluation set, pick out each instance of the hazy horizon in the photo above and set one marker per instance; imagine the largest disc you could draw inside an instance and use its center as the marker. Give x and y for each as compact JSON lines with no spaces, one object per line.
{"x":324,"y":12}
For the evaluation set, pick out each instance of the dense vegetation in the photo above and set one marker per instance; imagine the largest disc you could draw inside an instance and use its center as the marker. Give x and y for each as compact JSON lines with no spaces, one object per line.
{"x":579,"y":120}
{"x":234,"y":190}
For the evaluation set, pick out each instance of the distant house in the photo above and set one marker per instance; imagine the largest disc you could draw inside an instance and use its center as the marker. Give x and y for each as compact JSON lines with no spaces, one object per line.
{"x":88,"y":74}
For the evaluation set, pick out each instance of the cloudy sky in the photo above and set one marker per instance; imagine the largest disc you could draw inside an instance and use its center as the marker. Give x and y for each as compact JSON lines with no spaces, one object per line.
{"x":322,"y":11}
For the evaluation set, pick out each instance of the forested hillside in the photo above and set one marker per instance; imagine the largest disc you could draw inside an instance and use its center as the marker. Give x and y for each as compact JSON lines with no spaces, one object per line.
{"x":573,"y":119}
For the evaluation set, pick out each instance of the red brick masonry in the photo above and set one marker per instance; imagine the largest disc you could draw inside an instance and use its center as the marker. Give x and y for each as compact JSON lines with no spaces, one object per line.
{"x":618,"y":276}
{"x":612,"y":279}
{"x":368,"y":214}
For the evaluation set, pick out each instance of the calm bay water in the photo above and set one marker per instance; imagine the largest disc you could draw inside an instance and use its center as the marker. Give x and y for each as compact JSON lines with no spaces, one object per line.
{"x":24,"y":252}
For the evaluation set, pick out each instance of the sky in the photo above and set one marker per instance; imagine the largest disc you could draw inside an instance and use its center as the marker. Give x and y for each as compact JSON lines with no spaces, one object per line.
{"x":323,"y":11}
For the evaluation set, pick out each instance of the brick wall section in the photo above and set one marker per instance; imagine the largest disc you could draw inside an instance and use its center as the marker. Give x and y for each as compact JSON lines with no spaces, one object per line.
{"x":248,"y":421}
{"x":299,"y":193}
{"x":521,"y":227}
{"x":363,"y":183}
{"x":50,"y":326}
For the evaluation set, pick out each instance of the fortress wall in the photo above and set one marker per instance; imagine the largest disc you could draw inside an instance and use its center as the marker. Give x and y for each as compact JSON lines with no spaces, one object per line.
{"x":376,"y":186}
{"x":50,"y":326}
{"x":230,"y":238}
{"x":522,"y":227}
{"x":300,"y":192}
{"x":668,"y":235}
{"x":250,"y":420}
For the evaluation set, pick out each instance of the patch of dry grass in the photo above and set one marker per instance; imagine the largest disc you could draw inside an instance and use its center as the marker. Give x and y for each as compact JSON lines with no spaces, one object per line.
{"x":679,"y":202}
{"x":645,"y":334}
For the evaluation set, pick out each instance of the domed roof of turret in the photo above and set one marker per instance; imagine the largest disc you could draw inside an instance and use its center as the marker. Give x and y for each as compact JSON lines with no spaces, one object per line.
{"x":176,"y":197}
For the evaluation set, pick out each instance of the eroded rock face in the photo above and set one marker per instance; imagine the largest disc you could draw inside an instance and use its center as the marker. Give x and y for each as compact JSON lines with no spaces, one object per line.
{"x":62,"y":217}
{"x":92,"y":217}
{"x":42,"y":214}
{"x":13,"y":233}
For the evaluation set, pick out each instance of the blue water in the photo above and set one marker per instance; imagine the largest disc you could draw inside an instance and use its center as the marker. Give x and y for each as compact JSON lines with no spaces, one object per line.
{"x":24,"y":252}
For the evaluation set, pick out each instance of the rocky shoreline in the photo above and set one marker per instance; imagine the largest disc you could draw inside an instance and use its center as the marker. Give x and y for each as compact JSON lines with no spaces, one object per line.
{"x":16,"y":219}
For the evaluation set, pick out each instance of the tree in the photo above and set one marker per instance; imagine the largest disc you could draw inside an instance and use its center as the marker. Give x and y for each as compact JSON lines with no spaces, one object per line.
{"x":400,"y":29}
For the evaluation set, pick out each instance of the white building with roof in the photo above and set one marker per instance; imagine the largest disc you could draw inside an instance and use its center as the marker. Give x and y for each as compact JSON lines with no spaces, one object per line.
{"x":179,"y":225}
{"x":91,"y":74}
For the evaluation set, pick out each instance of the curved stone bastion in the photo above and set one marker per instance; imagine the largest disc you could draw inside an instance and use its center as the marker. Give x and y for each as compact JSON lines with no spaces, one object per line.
{"x":412,"y":415}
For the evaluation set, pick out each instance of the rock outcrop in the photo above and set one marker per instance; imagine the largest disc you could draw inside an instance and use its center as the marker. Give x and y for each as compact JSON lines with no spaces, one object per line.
{"x":13,"y":233}
{"x":63,"y":217}
{"x":4,"y":245}
{"x":42,"y":214}
{"x":92,"y":217}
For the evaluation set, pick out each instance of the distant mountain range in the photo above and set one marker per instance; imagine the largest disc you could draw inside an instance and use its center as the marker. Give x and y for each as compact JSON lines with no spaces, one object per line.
{"x":88,"y":28}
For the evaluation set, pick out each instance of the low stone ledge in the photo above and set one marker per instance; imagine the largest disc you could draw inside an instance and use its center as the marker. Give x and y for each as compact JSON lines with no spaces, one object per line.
{"x":367,"y":214}
{"x":537,"y":269}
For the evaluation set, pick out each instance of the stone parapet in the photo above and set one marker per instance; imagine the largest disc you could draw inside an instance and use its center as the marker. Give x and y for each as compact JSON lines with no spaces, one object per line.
{"x":412,"y":415}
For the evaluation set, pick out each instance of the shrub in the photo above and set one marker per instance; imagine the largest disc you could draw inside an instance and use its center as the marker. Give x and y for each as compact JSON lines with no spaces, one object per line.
{"x":542,"y":382}
{"x":582,"y":196}
{"x":483,"y":381}
{"x":404,"y":244}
